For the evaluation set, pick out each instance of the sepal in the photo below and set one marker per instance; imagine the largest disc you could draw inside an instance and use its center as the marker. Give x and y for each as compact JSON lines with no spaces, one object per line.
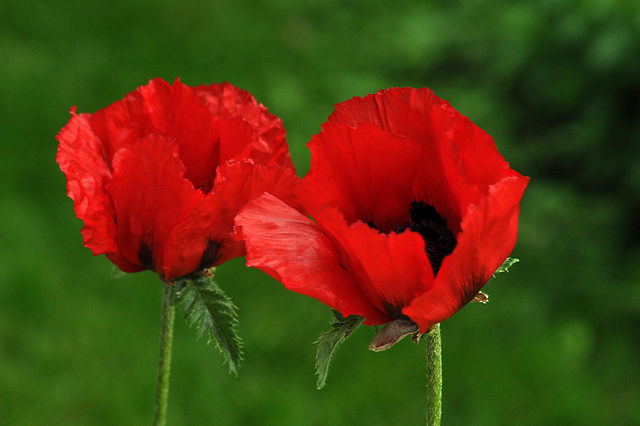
{"x":392,"y":333}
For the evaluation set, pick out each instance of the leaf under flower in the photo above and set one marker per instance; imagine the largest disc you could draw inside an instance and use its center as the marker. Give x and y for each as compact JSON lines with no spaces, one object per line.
{"x":329,"y":342}
{"x":212,"y":312}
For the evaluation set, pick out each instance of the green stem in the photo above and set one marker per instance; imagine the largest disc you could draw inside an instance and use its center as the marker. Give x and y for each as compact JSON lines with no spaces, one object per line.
{"x":434,"y":377}
{"x":164,"y":358}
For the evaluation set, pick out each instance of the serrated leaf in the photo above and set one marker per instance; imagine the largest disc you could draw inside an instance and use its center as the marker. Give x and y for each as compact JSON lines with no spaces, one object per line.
{"x":329,"y":342}
{"x":506,"y":265}
{"x":211,"y":311}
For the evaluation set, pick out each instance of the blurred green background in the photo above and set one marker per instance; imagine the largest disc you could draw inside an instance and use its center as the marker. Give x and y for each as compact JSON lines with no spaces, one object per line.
{"x":556,"y":83}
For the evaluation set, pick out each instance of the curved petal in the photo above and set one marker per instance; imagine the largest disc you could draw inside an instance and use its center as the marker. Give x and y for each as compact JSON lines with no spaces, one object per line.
{"x":150,"y":196}
{"x":366,"y":172}
{"x":80,"y":156}
{"x":198,"y":134}
{"x":459,"y":160}
{"x":475,"y":154}
{"x":488,"y":235}
{"x":270,"y":146}
{"x":408,"y":112}
{"x":139,"y":113}
{"x":389,"y":269}
{"x":387,"y":109}
{"x":211,"y":221}
{"x":291,"y":248}
{"x":465,"y":162}
{"x":171,"y":111}
{"x":176,"y":112}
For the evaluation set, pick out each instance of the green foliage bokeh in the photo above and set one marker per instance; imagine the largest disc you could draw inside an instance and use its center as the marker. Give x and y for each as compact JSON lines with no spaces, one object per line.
{"x":556,"y":83}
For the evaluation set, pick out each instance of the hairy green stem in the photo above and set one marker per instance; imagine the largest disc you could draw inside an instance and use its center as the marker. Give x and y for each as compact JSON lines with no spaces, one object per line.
{"x":434,"y":377}
{"x":164,"y":358}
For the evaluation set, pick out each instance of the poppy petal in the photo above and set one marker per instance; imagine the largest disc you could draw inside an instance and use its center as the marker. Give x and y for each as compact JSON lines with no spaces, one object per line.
{"x":140,"y":112}
{"x":81,"y":159}
{"x":270,"y":146}
{"x":390,"y":269}
{"x":366,"y":172}
{"x":464,"y":159}
{"x":198,"y":134}
{"x":459,"y":160}
{"x":488,"y":235}
{"x":406,"y":112}
{"x":179,"y":112}
{"x":176,"y":112}
{"x":211,"y":221}
{"x":476,"y":154}
{"x":294,"y":250}
{"x":148,"y":180}
{"x":399,"y":111}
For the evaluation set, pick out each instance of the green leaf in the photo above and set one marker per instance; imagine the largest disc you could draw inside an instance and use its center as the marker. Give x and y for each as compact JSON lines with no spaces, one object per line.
{"x":506,"y":265}
{"x":212,"y":312}
{"x":117,"y":272}
{"x":329,"y":342}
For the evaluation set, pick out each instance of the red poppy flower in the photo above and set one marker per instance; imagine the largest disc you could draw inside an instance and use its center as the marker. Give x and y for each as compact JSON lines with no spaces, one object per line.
{"x":414,"y":209}
{"x":158,"y":177}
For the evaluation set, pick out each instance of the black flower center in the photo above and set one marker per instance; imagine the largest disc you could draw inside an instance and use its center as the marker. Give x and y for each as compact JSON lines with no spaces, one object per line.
{"x":438,"y":239}
{"x":145,"y":256}
{"x":439,"y":242}
{"x":209,"y":255}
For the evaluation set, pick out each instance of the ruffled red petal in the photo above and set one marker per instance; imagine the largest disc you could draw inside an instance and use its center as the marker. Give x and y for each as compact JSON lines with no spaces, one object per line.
{"x":458,"y":160}
{"x":146,"y":161}
{"x":82,"y":161}
{"x":139,"y":113}
{"x":292,"y":249}
{"x":366,"y":172}
{"x":455,"y":167}
{"x":406,"y":112}
{"x":211,"y":221}
{"x":270,"y":147}
{"x":488,"y":235}
{"x":211,"y":124}
{"x":400,"y":111}
{"x":463,"y":160}
{"x":150,"y":197}
{"x":389,"y":269}
{"x":175,"y":112}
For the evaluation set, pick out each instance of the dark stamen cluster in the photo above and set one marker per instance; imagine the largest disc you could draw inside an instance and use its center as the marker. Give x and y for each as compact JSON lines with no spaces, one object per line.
{"x":210,"y":255}
{"x":439,"y":242}
{"x":438,"y":238}
{"x":145,"y":256}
